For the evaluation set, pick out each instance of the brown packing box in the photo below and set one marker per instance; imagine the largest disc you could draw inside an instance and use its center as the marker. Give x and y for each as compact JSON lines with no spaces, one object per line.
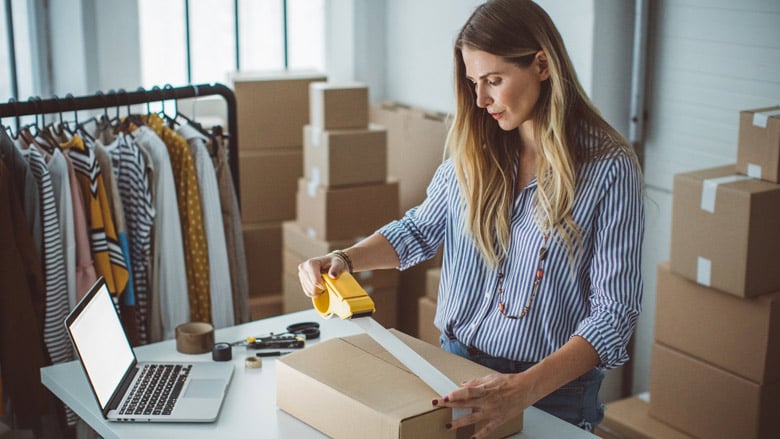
{"x":338,"y":105}
{"x":708,"y":402}
{"x":344,"y":157}
{"x":733,"y":245}
{"x":269,"y":183}
{"x":385,"y":300}
{"x":296,"y":240}
{"x":272,"y":108}
{"x":758,"y":147}
{"x":415,"y":147}
{"x":352,"y":387}
{"x":265,"y":306}
{"x":432,"y":278}
{"x":741,"y":336}
{"x":426,"y":330}
{"x":413,"y":286}
{"x":629,"y":419}
{"x":345,"y":212}
{"x":263,"y":247}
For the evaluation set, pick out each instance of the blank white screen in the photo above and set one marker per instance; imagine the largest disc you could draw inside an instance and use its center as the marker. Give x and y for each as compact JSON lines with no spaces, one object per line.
{"x":102,"y":344}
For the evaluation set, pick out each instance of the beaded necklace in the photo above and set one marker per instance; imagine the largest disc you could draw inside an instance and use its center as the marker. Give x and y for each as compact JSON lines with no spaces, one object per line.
{"x":538,"y":275}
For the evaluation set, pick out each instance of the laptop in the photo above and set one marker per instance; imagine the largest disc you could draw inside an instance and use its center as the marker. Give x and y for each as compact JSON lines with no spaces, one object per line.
{"x":177,"y":392}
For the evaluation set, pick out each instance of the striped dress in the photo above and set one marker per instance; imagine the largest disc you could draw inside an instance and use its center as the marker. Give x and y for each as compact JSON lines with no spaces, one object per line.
{"x":599,"y":298}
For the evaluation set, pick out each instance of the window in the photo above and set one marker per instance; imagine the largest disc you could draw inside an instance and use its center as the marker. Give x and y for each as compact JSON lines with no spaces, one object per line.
{"x":185,"y":41}
{"x":16,"y":48}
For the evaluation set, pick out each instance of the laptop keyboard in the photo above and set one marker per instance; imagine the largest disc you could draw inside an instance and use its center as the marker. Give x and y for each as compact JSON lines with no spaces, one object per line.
{"x":156,"y":390}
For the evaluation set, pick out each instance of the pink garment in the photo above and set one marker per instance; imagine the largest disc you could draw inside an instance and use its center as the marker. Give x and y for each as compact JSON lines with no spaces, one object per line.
{"x":85,"y":266}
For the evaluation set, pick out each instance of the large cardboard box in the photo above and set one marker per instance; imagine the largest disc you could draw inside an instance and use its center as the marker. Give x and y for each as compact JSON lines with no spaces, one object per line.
{"x":298,"y":241}
{"x":338,"y":105}
{"x":426,"y":330}
{"x":269,"y":181}
{"x":414,"y":281}
{"x":708,"y":402}
{"x":272,"y":108}
{"x":724,"y":231}
{"x":432,"y":279}
{"x":263,"y":248}
{"x":415,"y":147}
{"x":263,"y":307}
{"x":741,"y":336}
{"x":629,"y":419}
{"x":345,"y":212}
{"x":351,"y":387}
{"x":344,"y":157}
{"x":758,"y":147}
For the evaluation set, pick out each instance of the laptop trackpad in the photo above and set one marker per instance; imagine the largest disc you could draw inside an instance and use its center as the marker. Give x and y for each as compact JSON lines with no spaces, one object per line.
{"x":200,"y":388}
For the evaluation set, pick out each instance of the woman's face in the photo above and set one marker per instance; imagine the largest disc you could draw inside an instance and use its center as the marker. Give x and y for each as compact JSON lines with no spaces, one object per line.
{"x":506,"y":91}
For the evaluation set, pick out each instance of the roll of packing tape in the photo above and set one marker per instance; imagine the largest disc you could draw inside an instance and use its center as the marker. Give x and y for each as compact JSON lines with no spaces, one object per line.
{"x":253,"y":362}
{"x":222,"y":352}
{"x":194,"y":338}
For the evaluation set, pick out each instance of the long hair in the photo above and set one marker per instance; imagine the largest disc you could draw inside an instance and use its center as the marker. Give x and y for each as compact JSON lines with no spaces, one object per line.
{"x":484,"y":156}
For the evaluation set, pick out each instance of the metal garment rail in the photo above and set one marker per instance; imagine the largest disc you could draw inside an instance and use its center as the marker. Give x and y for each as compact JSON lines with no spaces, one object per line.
{"x":56,"y":105}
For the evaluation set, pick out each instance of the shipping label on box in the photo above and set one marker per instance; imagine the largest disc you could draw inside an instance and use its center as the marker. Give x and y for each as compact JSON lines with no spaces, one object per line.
{"x":269,"y":182}
{"x":344,"y":212}
{"x":739,"y":335}
{"x":345,"y":157}
{"x":724,"y":231}
{"x":338,"y":105}
{"x":758,"y":147}
{"x":708,"y":402}
{"x":352,"y":387}
{"x":272,"y":108}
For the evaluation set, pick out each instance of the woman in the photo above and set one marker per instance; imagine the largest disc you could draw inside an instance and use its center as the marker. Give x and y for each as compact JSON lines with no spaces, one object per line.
{"x":539,"y":208}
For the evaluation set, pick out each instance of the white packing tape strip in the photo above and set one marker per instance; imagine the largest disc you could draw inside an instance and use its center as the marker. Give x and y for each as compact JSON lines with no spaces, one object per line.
{"x":754,"y":170}
{"x":761,"y":119}
{"x":311,"y":185}
{"x":419,"y":366}
{"x":316,"y":135}
{"x":703,"y":271}
{"x":710,"y":188}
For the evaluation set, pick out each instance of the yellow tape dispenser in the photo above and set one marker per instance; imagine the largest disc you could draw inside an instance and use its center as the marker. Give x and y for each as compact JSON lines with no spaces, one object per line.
{"x":343,"y":297}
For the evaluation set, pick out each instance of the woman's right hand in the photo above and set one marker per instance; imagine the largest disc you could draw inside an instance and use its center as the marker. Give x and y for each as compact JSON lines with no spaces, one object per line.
{"x":310,"y":272}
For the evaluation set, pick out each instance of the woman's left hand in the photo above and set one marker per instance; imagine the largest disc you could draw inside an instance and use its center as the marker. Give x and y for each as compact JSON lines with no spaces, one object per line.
{"x":494,"y":399}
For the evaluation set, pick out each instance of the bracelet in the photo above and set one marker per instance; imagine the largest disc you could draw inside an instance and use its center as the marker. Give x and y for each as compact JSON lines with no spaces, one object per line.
{"x":343,"y":256}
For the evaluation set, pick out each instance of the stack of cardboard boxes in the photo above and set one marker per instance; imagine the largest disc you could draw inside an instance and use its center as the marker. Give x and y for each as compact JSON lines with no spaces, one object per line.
{"x":426,"y":305}
{"x":415,"y":148}
{"x":716,"y":358}
{"x":344,"y":194}
{"x":272,"y":109}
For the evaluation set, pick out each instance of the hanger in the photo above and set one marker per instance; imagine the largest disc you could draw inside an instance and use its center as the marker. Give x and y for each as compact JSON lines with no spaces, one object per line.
{"x":192,"y":122}
{"x":13,"y":134}
{"x":171,"y":120}
{"x":80,"y":127}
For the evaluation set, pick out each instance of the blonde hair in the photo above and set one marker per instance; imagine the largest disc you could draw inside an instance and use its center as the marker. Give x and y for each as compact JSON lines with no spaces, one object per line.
{"x":484,"y":156}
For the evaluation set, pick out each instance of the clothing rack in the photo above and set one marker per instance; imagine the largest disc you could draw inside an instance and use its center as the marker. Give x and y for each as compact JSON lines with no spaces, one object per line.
{"x":100,"y":100}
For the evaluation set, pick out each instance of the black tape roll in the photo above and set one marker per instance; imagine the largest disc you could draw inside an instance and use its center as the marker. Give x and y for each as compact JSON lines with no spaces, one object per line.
{"x":222,"y":352}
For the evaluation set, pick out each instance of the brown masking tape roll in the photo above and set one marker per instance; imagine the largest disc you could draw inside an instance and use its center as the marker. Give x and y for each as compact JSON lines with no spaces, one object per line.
{"x":253,"y":362}
{"x":194,"y":338}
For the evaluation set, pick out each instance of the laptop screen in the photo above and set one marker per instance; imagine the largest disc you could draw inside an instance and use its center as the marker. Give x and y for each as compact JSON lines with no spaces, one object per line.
{"x":101,"y":342}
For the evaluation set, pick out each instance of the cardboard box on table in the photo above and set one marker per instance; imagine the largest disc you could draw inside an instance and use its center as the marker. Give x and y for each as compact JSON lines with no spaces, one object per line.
{"x":629,"y":418}
{"x":272,"y":108}
{"x":263,"y":248}
{"x":344,"y":157}
{"x":725,"y":232}
{"x":352,"y":387}
{"x":432,"y":278}
{"x":758,"y":147}
{"x":708,"y":402}
{"x":338,"y":105}
{"x":340,"y":213}
{"x":269,"y":182}
{"x":739,"y":335}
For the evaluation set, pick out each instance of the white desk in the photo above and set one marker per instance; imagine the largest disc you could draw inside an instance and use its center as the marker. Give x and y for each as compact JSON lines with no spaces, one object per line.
{"x":250,"y":407}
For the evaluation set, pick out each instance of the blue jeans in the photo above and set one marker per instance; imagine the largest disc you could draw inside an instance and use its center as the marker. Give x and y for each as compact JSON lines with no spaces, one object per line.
{"x":576,"y":402}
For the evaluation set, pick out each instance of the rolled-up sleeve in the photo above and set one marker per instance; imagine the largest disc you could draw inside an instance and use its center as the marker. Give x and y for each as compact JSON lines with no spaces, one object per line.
{"x":417,"y":236}
{"x":616,"y":269}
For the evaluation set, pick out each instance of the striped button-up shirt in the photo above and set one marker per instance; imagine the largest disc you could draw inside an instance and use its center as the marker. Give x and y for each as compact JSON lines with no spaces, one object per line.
{"x":599,"y":298}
